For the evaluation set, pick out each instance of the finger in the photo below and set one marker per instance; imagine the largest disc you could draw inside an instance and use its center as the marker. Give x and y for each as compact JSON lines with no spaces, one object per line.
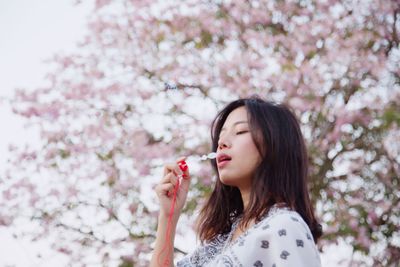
{"x":165,"y":189}
{"x":172,"y":167}
{"x":169,"y":178}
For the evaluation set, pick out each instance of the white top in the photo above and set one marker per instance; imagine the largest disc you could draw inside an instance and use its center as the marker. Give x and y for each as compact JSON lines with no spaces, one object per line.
{"x":281,"y":238}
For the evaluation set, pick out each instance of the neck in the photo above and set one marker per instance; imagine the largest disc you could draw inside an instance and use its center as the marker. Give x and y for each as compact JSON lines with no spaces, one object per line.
{"x":245,"y":197}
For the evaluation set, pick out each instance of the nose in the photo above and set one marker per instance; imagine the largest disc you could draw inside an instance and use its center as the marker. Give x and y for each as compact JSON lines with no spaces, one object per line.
{"x":223,"y":142}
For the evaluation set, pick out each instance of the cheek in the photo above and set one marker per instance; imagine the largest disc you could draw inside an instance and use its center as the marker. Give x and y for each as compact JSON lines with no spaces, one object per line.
{"x":251,"y":148}
{"x":252,"y":156}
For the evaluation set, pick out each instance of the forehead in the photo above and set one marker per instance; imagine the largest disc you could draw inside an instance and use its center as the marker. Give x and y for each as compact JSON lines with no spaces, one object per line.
{"x":238,"y":115}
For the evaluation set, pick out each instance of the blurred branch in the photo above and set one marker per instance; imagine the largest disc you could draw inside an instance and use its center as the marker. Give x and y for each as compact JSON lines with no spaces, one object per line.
{"x":90,"y":233}
{"x":394,"y":42}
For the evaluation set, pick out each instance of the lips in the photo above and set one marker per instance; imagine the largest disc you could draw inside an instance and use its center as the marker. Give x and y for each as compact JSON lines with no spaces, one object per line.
{"x":223,"y":159}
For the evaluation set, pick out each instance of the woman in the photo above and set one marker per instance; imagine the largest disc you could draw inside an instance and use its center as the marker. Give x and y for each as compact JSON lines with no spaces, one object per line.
{"x":259,"y":213}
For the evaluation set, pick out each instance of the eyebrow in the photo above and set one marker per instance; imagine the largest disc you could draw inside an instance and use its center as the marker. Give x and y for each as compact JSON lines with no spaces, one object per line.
{"x":238,"y":122}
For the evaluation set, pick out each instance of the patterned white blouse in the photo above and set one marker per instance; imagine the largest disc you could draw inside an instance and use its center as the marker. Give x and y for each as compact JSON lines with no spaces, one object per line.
{"x":281,"y":238}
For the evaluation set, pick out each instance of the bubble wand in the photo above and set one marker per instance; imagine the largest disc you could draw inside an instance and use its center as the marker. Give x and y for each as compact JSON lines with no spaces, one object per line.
{"x":184,"y":167}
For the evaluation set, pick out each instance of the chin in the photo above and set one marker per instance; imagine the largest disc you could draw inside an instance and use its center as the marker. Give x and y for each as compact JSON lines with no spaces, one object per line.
{"x":227,"y":180}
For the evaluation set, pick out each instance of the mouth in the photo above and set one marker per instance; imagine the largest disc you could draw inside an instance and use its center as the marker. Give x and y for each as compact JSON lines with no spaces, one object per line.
{"x":223,"y":159}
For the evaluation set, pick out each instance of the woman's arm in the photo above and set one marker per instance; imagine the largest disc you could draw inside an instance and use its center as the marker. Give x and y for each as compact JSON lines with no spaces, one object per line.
{"x":164,"y":246}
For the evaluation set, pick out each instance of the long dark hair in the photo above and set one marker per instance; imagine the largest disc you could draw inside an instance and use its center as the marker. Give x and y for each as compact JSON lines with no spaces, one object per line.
{"x":281,"y":176}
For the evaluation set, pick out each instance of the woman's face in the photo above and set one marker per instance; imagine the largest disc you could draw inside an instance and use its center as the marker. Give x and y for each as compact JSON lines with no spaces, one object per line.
{"x":237,"y":155}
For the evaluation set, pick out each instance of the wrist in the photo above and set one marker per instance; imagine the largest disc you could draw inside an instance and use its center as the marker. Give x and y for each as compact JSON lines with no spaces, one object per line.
{"x":164,"y":217}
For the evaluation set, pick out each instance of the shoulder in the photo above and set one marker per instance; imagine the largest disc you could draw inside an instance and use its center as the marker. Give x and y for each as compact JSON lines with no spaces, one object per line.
{"x":286,"y":222}
{"x":281,"y":238}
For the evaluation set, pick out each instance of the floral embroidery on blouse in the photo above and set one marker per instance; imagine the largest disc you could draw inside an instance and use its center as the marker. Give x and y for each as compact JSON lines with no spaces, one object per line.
{"x":281,"y":238}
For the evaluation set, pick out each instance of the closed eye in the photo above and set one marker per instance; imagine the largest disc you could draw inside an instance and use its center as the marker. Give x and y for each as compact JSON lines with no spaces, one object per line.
{"x":241,"y":132}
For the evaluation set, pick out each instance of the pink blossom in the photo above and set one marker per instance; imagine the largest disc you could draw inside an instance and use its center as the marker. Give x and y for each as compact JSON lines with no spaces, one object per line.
{"x":335,"y":64}
{"x":5,"y":220}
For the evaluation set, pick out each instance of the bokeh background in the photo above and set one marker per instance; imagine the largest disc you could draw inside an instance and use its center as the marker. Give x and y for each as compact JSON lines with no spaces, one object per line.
{"x":97,"y":95}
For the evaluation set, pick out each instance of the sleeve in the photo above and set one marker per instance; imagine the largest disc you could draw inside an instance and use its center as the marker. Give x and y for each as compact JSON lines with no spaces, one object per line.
{"x":203,"y":254}
{"x":281,"y":240}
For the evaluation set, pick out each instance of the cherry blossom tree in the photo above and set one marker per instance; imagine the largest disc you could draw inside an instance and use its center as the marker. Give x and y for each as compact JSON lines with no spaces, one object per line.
{"x":145,"y":85}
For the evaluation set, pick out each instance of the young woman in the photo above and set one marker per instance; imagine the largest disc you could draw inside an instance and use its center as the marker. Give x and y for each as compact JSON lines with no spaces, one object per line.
{"x":259,"y":213}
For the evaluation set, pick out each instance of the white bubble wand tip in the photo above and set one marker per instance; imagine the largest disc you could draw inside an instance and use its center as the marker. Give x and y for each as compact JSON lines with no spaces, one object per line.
{"x":211,"y":155}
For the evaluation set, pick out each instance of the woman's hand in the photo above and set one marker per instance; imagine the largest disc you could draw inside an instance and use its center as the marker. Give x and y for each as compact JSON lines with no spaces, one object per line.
{"x":174,"y":179}
{"x":165,"y":189}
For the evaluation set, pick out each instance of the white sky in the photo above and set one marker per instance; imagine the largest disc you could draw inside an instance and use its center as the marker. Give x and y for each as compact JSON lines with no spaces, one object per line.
{"x":31,"y":31}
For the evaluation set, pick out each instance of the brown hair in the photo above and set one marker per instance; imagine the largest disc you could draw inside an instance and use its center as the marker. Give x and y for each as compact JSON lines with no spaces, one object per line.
{"x":280,"y":177}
